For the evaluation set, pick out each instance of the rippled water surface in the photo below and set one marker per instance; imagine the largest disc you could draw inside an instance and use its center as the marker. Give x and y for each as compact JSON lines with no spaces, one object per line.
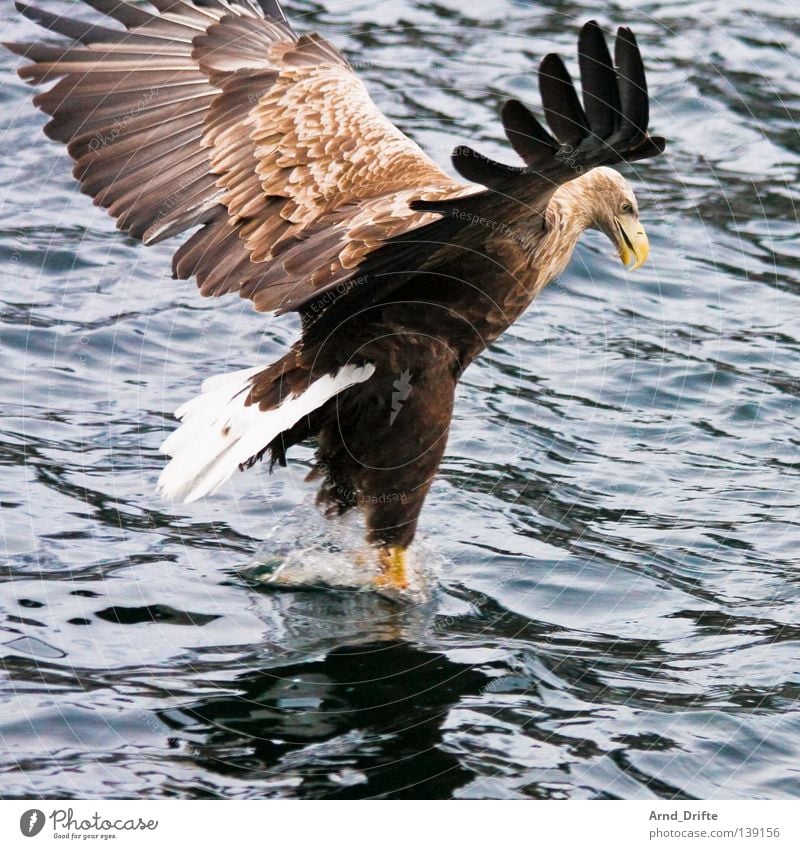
{"x":613,"y":535}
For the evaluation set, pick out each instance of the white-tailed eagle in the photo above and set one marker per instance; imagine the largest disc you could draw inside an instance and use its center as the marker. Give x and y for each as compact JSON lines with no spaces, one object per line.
{"x":214,"y":119}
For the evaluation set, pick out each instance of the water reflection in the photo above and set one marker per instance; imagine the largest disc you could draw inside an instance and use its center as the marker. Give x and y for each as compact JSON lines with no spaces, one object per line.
{"x":364,"y":721}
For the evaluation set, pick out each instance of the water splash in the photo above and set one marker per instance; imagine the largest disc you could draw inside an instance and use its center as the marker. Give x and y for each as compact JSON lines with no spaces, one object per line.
{"x":332,"y":555}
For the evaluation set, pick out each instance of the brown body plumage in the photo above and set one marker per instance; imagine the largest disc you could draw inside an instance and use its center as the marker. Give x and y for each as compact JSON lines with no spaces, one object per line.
{"x":305,"y":198}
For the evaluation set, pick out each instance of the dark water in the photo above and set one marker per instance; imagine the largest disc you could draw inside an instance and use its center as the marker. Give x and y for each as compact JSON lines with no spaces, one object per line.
{"x":616,"y":522}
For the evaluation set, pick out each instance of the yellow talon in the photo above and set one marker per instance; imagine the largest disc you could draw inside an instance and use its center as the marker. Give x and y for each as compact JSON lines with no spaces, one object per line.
{"x":392,"y":560}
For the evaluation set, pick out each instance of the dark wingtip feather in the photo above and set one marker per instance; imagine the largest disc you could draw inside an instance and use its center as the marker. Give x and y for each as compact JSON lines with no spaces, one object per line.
{"x":591,"y":33}
{"x":477,"y":168}
{"x":527,"y":136}
{"x":632,"y":82}
{"x":562,"y":109}
{"x":652,"y":146}
{"x":598,"y":81}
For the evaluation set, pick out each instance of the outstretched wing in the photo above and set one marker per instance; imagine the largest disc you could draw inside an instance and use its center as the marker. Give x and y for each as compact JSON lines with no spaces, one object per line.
{"x":215,"y":113}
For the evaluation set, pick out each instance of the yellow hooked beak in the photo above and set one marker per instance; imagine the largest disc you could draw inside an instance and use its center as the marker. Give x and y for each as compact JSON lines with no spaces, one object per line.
{"x":631,"y":241}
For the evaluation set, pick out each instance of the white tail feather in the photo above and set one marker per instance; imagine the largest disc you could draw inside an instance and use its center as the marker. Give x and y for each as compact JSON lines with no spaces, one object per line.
{"x":219,"y":432}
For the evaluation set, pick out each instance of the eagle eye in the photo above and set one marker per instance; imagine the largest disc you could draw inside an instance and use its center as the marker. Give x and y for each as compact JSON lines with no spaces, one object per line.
{"x":626,"y":207}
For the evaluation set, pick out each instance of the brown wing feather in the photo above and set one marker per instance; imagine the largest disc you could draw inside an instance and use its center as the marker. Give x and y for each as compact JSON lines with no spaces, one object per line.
{"x":219,"y":116}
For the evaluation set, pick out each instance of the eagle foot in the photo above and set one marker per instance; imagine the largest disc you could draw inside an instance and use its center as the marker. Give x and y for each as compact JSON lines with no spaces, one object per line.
{"x":392,"y":562}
